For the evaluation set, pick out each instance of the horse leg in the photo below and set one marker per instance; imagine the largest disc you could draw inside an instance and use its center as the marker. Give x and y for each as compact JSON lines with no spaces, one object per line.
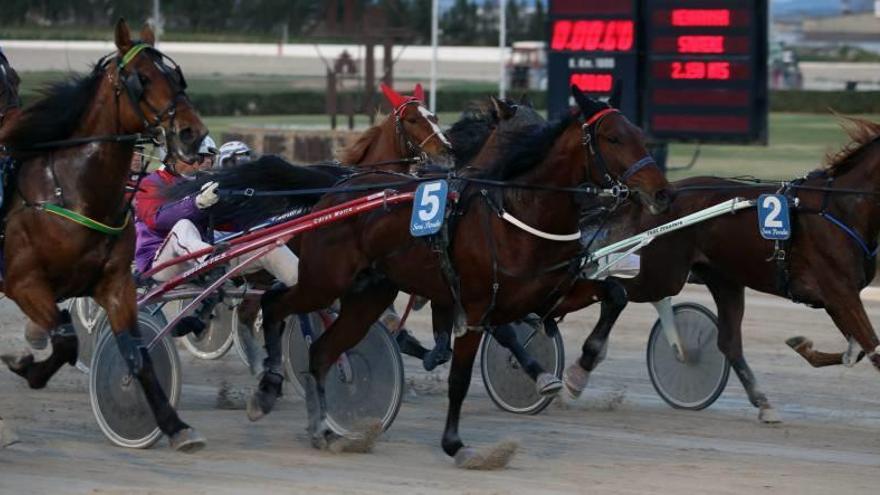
{"x":595,"y":346}
{"x":730,"y":299}
{"x":360,"y":307}
{"x":442,"y":321}
{"x":546,"y":383}
{"x":115,"y":292}
{"x":247,"y":316}
{"x":269,"y":389}
{"x":818,"y":359}
{"x":37,"y":300}
{"x":408,"y":344}
{"x":463,"y":356}
{"x":848,"y":313}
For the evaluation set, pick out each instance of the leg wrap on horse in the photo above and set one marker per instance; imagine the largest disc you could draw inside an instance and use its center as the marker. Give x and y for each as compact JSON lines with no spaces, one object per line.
{"x":130,"y":347}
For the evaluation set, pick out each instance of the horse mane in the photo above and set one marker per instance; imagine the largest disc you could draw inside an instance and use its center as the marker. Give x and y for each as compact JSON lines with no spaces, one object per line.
{"x":861,"y":133}
{"x":57,"y":114}
{"x":267,"y":173}
{"x":525,"y":148}
{"x":356,"y":153}
{"x":469,"y":134}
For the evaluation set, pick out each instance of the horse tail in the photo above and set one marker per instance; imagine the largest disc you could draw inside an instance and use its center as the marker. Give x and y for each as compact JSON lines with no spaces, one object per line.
{"x":266,"y":174}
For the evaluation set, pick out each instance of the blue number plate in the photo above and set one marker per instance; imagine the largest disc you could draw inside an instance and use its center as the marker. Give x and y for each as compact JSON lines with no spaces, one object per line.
{"x":429,"y":208}
{"x":774,"y":222}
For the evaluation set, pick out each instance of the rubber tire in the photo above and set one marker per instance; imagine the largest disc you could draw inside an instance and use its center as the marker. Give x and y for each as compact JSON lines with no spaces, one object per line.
{"x":296,"y":362}
{"x":514,"y":375}
{"x":149,"y":326}
{"x":656,"y":339}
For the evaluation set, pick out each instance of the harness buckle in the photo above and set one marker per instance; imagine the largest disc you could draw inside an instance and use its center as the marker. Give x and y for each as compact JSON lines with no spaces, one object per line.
{"x":58,"y":192}
{"x":249,"y":192}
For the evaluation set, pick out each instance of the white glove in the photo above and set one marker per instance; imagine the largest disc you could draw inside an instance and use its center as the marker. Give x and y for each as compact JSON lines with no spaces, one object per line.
{"x":208,"y":196}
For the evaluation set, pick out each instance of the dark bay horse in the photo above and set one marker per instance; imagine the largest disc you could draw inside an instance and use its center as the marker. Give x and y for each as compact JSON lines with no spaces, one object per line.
{"x":73,"y":149}
{"x":505,"y":272}
{"x":830,"y":258}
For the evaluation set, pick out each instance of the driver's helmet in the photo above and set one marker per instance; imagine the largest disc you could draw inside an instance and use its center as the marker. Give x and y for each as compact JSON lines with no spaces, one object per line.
{"x":208,"y":146}
{"x":232,"y":153}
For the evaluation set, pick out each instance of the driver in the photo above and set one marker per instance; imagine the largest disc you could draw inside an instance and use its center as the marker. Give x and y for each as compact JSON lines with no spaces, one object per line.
{"x":169,"y":229}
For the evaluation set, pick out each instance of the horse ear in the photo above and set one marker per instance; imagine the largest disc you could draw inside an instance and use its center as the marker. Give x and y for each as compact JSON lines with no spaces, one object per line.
{"x":502,"y":108}
{"x":616,"y":92}
{"x":588,"y":106}
{"x":526,"y":100}
{"x":147,"y":34}
{"x":394,"y":99}
{"x":419,"y":93}
{"x":123,"y":36}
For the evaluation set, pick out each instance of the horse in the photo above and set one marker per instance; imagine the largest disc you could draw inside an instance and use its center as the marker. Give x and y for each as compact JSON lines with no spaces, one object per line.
{"x":407,"y":137}
{"x":467,"y":138}
{"x":828,"y":260}
{"x":549,"y":164}
{"x":10,"y":101}
{"x":67,"y":225}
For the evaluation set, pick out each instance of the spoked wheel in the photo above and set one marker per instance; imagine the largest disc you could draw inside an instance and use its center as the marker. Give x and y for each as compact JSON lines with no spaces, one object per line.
{"x":215,"y":341}
{"x":117,"y":398}
{"x":696,"y":381}
{"x":84,"y":312}
{"x":365,"y":383}
{"x":508,"y":385}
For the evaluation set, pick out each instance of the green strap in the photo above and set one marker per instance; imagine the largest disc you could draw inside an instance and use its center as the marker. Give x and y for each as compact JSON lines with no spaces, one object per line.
{"x":84,"y":220}
{"x":132,"y":53}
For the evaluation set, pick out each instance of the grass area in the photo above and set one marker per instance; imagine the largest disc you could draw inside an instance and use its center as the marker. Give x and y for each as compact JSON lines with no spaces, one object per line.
{"x":798,"y":144}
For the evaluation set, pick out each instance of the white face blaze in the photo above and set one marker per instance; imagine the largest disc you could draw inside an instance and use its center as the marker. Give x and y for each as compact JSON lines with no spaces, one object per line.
{"x":434,"y":127}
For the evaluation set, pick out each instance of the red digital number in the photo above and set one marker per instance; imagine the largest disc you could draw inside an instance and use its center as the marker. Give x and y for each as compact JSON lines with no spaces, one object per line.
{"x":594,"y":83}
{"x":700,"y":44}
{"x":701,"y":17}
{"x":608,"y":36}
{"x":700,"y":70}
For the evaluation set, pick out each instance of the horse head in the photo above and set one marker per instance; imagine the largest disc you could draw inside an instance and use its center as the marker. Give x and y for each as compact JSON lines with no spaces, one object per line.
{"x":155,"y":90}
{"x":616,"y":153}
{"x":417,"y":127}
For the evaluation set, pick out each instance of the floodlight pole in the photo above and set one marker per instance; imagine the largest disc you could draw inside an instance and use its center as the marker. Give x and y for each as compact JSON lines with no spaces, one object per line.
{"x":157,"y":20}
{"x":502,"y":42}
{"x":435,"y":28}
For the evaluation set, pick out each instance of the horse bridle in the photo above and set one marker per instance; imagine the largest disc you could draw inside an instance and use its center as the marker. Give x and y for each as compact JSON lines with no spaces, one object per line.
{"x":589,"y":130}
{"x":6,"y":86}
{"x":132,"y":86}
{"x":414,"y":150}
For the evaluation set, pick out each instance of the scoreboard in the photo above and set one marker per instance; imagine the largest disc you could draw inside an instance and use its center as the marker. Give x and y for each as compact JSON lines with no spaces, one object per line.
{"x":691,"y":70}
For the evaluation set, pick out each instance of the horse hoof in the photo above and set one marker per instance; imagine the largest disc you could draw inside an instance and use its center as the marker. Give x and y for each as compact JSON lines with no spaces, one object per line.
{"x":436,"y":357}
{"x":768,"y":415}
{"x":548,"y":385}
{"x":187,"y":440}
{"x":18,"y":363}
{"x":575,"y":379}
{"x":798,"y":343}
{"x":496,"y":457}
{"x":360,"y":441}
{"x":254,"y":409}
{"x":36,"y":336}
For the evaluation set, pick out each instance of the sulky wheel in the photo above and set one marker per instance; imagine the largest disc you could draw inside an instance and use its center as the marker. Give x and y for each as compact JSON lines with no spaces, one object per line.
{"x":696,"y":381}
{"x":240,"y":337}
{"x":365,"y":383}
{"x":84,"y":312}
{"x":117,"y":398}
{"x":508,"y":385}
{"x":214,"y":342}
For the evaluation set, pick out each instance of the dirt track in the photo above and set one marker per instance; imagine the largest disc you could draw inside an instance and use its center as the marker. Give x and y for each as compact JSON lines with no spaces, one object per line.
{"x":619,"y":438}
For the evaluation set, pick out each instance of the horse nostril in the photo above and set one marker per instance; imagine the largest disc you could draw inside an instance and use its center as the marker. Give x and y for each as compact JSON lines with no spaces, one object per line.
{"x":187,"y":135}
{"x":662,"y":197}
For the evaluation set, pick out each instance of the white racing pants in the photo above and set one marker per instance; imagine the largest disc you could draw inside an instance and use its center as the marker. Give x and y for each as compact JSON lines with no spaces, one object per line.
{"x":185,"y":238}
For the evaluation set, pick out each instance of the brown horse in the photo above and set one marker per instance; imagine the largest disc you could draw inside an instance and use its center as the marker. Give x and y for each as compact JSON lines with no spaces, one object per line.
{"x":829,"y":259}
{"x":505,"y":272}
{"x":408,"y":136}
{"x":73,"y":149}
